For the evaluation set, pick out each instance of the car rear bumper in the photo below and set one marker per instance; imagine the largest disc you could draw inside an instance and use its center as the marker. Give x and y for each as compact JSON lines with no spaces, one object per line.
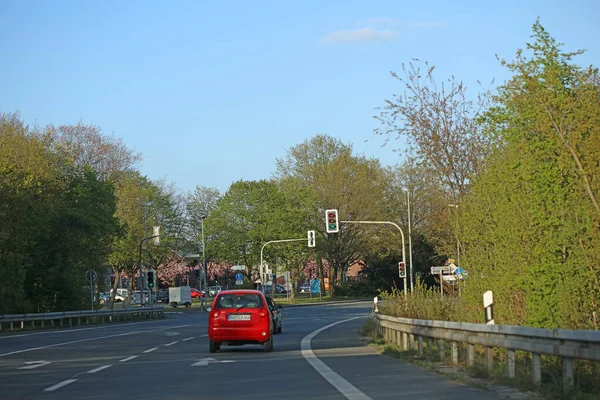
{"x":242,"y":335}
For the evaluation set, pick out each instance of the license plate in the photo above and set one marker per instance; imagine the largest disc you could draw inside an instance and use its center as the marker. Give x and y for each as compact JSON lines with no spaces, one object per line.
{"x":238,"y":317}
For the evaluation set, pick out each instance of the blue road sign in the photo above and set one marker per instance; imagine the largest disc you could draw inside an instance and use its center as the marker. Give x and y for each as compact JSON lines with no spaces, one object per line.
{"x":458,"y":271}
{"x":315,"y":286}
{"x":239,"y":277}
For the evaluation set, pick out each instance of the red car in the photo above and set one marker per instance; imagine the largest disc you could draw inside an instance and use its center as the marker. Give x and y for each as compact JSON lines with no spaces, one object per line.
{"x":197,"y":294}
{"x":239,"y":317}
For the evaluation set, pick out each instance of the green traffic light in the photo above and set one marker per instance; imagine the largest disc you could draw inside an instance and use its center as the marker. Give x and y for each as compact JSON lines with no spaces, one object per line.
{"x":331,"y":226}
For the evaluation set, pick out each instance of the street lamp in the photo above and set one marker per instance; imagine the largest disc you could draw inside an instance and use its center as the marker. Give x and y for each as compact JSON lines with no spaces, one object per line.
{"x":204,"y":258}
{"x":147,"y":252}
{"x":409,"y":239}
{"x":457,"y":241}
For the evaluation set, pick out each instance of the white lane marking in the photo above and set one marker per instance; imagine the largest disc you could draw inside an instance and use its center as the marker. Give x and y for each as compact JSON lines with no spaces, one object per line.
{"x":343,"y":386}
{"x":34,"y":364}
{"x":151,"y":350}
{"x":172,"y":333}
{"x":128,"y":359}
{"x":205,"y":361}
{"x":109,"y":325}
{"x":65,"y":343}
{"x":170,"y":344}
{"x":94,"y":328}
{"x":59,"y":385}
{"x":186,"y":339}
{"x":93,"y":371}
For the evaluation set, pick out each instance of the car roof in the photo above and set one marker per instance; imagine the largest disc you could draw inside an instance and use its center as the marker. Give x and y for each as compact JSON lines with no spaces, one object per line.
{"x":240,"y":291}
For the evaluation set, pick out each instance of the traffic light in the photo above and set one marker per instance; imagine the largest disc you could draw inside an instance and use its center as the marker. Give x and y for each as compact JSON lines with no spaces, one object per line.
{"x":311,"y":238}
{"x":150,"y":279}
{"x":401,"y":270}
{"x":332,"y":223}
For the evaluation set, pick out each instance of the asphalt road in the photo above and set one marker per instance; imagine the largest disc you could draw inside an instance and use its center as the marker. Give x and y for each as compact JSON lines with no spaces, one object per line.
{"x":317,"y":356}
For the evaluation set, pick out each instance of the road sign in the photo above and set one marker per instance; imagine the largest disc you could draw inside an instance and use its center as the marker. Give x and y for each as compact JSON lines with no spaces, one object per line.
{"x":458,"y":271}
{"x":271,"y":276}
{"x":444,"y":269}
{"x":239,"y":282}
{"x":238,"y":268}
{"x":91,"y":275}
{"x":239,"y":277}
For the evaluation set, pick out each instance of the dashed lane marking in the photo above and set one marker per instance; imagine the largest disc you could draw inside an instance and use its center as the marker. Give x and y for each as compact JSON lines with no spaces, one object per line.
{"x":59,"y":385}
{"x":93,"y":371}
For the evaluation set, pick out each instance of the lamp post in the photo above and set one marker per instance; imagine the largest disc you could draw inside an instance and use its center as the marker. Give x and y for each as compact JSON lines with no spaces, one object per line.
{"x":457,"y":241}
{"x":409,"y":239}
{"x":204,"y":259}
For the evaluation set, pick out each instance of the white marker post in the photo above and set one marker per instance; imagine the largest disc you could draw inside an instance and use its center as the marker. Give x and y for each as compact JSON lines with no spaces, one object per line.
{"x":488,"y":307}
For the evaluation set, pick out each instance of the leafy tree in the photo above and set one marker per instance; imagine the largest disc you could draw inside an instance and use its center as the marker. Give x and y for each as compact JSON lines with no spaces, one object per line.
{"x":332,"y":177}
{"x":530,"y":227}
{"x":247,"y":216}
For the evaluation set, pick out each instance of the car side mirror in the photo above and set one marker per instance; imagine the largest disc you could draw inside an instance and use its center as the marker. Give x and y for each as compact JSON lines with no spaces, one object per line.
{"x":209,"y":308}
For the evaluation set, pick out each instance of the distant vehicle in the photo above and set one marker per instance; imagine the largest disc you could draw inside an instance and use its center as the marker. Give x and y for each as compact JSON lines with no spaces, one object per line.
{"x":279,"y":288}
{"x":305,"y":288}
{"x":163,"y":296}
{"x":197,"y":294}
{"x":275,"y":314}
{"x":180,"y":296}
{"x":121,"y":294}
{"x":213,"y":290}
{"x":103,"y":297}
{"x":239,"y":317}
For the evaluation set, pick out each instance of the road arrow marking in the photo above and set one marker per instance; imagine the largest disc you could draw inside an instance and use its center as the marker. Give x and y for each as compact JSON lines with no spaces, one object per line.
{"x":34,"y":364}
{"x":205,"y":361}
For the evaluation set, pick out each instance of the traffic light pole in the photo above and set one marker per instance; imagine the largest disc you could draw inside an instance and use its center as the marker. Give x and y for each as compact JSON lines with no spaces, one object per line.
{"x":261,"y":260}
{"x":388,"y":223}
{"x":141,"y":268}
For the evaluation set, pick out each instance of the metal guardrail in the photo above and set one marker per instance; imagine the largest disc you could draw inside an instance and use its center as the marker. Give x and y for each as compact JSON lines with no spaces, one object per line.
{"x":568,"y":344}
{"x":70,"y":318}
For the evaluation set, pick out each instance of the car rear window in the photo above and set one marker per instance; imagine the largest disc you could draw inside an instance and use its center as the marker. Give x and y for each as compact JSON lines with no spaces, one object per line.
{"x":232,"y":300}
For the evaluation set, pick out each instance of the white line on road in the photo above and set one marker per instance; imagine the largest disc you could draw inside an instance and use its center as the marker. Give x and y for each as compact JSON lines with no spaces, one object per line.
{"x":128,"y":359}
{"x":35,"y":364}
{"x":59,"y":385}
{"x":171,"y":344}
{"x":93,"y":371}
{"x":65,"y":343}
{"x":186,"y":339}
{"x":343,"y":386}
{"x":151,"y":350}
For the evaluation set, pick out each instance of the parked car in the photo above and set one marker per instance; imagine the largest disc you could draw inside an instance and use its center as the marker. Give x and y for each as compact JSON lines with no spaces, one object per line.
{"x":163,"y":296}
{"x":239,"y":317}
{"x":213,"y":290}
{"x":275,"y":313}
{"x":305,"y":288}
{"x":197,"y":294}
{"x":104,"y":298}
{"x":121,"y":294}
{"x":279,"y":288}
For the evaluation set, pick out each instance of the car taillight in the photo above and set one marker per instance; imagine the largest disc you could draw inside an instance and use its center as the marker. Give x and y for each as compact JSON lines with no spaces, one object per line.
{"x":262,"y":313}
{"x":216,"y":314}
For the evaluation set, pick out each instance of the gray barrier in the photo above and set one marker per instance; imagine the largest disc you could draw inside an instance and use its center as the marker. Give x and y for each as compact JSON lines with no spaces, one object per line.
{"x":567,"y":344}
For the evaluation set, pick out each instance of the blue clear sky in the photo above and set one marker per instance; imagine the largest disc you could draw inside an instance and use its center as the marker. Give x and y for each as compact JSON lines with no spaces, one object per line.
{"x":214,"y":92}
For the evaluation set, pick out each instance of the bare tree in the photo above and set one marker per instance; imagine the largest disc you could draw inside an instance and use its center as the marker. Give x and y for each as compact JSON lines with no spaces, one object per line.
{"x":440,"y":124}
{"x":88,"y":145}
